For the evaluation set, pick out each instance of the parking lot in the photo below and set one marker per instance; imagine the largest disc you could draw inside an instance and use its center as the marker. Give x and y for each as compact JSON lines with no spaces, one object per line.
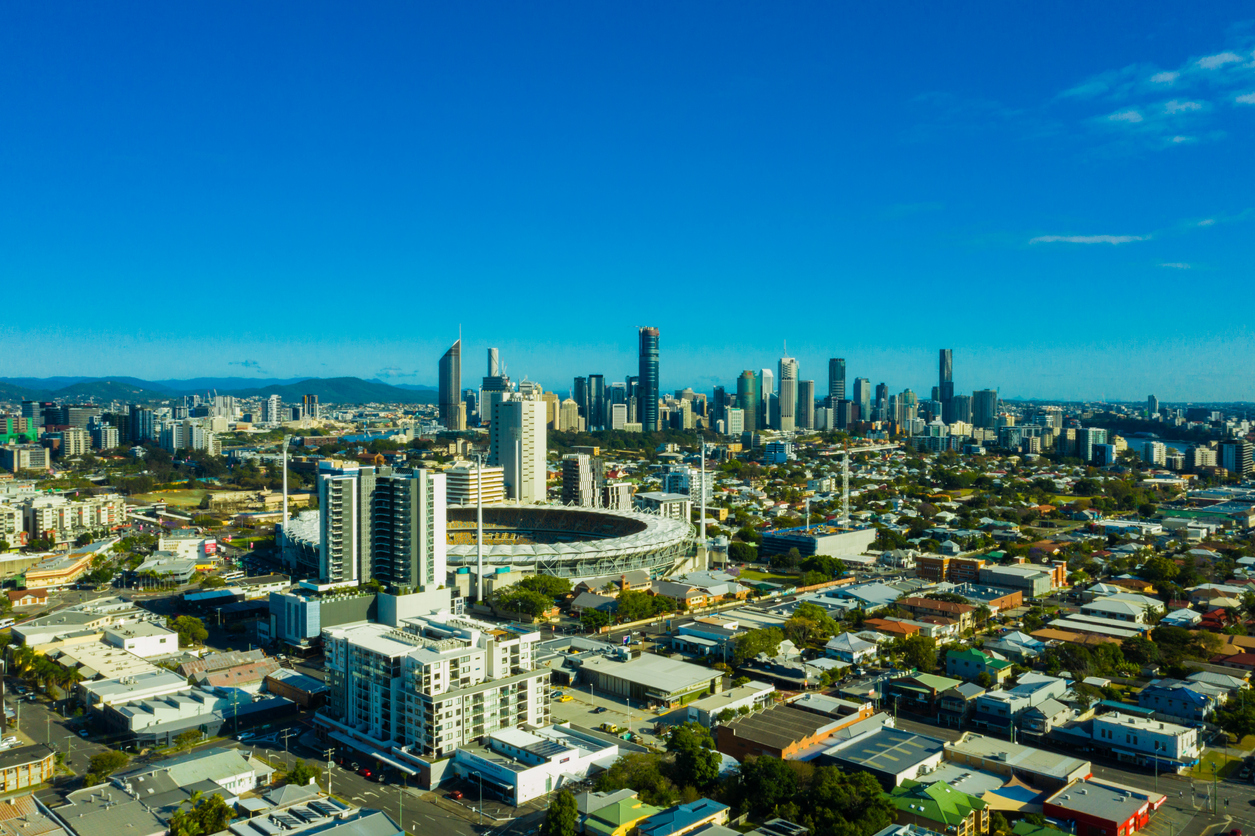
{"x":589,"y":711}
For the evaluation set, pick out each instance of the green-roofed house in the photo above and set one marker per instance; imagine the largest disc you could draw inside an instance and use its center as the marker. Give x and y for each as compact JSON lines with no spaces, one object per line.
{"x":970,"y":663}
{"x":1024,"y":828}
{"x":918,"y":694}
{"x":941,"y":808}
{"x":619,"y":818}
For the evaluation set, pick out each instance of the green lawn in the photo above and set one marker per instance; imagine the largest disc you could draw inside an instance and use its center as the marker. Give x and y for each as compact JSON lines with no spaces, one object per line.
{"x":753,"y":575}
{"x":182,"y":498}
{"x":1224,"y":765}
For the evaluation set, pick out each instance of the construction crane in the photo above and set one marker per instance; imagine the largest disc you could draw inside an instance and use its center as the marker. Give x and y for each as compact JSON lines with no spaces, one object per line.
{"x":844,"y":522}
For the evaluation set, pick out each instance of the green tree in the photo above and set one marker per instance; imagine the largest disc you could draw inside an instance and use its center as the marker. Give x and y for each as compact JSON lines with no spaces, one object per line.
{"x":103,"y":765}
{"x":520,"y":600}
{"x":753,"y":642}
{"x":191,"y":630}
{"x":739,"y":552}
{"x":643,"y":773}
{"x":205,"y":816}
{"x":547,"y":585}
{"x":765,"y":782}
{"x":187,"y":738}
{"x":920,"y":652}
{"x":562,"y":817}
{"x":593,"y":620}
{"x":696,"y":762}
{"x":1159,"y":569}
{"x":301,"y":773}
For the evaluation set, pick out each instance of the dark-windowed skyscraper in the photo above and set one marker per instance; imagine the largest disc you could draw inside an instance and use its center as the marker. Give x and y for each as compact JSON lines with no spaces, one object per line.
{"x":836,"y":380}
{"x":945,"y":384}
{"x":452,"y":410}
{"x":748,"y":395}
{"x":647,"y":380}
{"x":597,"y":402}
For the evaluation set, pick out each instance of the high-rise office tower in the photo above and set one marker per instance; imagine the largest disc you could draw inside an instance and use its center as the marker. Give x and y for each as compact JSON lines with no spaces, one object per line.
{"x":748,"y":397}
{"x":471,"y":399}
{"x":836,"y":379}
{"x":787,"y":403}
{"x":985,"y":408}
{"x":494,"y":388}
{"x":312,"y":409}
{"x":452,"y":410}
{"x":345,"y":503}
{"x":408,"y":539}
{"x":647,"y":380}
{"x":1235,"y":457}
{"x":962,"y":407}
{"x":596,"y":402}
{"x":806,"y":404}
{"x":579,"y":394}
{"x":517,"y":444}
{"x":1152,"y":406}
{"x":569,"y":416}
{"x":617,"y":394}
{"x":766,"y":399}
{"x":862,"y":397}
{"x":882,"y":402}
{"x":718,"y":404}
{"x":945,"y":383}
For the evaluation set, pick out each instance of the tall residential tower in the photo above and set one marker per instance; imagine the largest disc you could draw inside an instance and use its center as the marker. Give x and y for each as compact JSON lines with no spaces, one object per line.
{"x":647,"y":381}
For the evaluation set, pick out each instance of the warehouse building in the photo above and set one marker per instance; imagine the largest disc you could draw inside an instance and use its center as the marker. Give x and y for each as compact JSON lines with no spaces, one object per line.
{"x":650,"y":679}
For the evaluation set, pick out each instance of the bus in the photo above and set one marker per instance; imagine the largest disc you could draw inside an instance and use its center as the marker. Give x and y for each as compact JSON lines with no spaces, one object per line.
{"x":7,"y":622}
{"x":230,"y":576}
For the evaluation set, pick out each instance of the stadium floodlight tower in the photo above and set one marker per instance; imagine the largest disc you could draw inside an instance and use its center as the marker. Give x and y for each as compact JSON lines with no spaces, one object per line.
{"x":702,"y":533}
{"x":479,"y":528}
{"x":286,"y":440}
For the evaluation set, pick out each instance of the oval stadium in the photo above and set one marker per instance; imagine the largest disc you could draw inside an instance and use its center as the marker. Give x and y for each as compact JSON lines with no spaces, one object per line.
{"x":567,"y":541}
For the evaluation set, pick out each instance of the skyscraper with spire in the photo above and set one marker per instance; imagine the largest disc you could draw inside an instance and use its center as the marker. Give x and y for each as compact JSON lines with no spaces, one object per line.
{"x":452,"y":408}
{"x":945,"y":384}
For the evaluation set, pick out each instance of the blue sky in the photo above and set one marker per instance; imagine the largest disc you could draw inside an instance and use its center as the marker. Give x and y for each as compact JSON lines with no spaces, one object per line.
{"x":1061,"y":194}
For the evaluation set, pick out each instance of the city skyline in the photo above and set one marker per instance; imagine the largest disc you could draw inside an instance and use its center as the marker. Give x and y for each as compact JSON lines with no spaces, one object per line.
{"x":1037,"y":198}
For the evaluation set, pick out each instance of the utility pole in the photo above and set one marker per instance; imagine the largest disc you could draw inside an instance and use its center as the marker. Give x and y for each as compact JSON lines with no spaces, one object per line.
{"x":331,"y":751}
{"x":401,"y":802}
{"x":286,"y":734}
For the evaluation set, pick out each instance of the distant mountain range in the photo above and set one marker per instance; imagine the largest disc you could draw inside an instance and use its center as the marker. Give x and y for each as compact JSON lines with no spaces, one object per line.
{"x":329,"y":390}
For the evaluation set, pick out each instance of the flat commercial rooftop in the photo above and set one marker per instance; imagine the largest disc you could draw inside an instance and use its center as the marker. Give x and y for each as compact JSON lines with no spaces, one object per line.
{"x":890,"y":750}
{"x":1026,"y":758}
{"x":780,"y":726}
{"x":653,"y":671}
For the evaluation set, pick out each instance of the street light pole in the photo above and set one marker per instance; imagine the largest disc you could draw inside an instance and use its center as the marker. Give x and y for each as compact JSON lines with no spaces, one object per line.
{"x":330,"y":752}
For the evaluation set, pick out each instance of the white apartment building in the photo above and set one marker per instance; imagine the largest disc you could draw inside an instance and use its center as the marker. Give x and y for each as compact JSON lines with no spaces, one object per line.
{"x":420,"y":691}
{"x":688,"y":480}
{"x":10,"y":524}
{"x":618,"y":416}
{"x":462,"y":484}
{"x":518,"y":443}
{"x":736,"y":420}
{"x":61,"y":518}
{"x":1142,"y":739}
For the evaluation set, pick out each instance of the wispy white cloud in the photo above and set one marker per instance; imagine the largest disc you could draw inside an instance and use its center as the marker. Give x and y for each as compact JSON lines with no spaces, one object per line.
{"x":1173,"y":107}
{"x":1088,"y":239}
{"x":1211,"y":62}
{"x":1176,"y":265}
{"x":1206,"y":222}
{"x":1131,"y":116}
{"x":1138,"y":118}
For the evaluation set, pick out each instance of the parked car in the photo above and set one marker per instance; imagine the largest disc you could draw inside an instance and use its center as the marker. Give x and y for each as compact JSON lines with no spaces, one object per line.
{"x":83,"y":733}
{"x":455,"y":795}
{"x":9,"y":741}
{"x":248,"y":735}
{"x":601,"y":709}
